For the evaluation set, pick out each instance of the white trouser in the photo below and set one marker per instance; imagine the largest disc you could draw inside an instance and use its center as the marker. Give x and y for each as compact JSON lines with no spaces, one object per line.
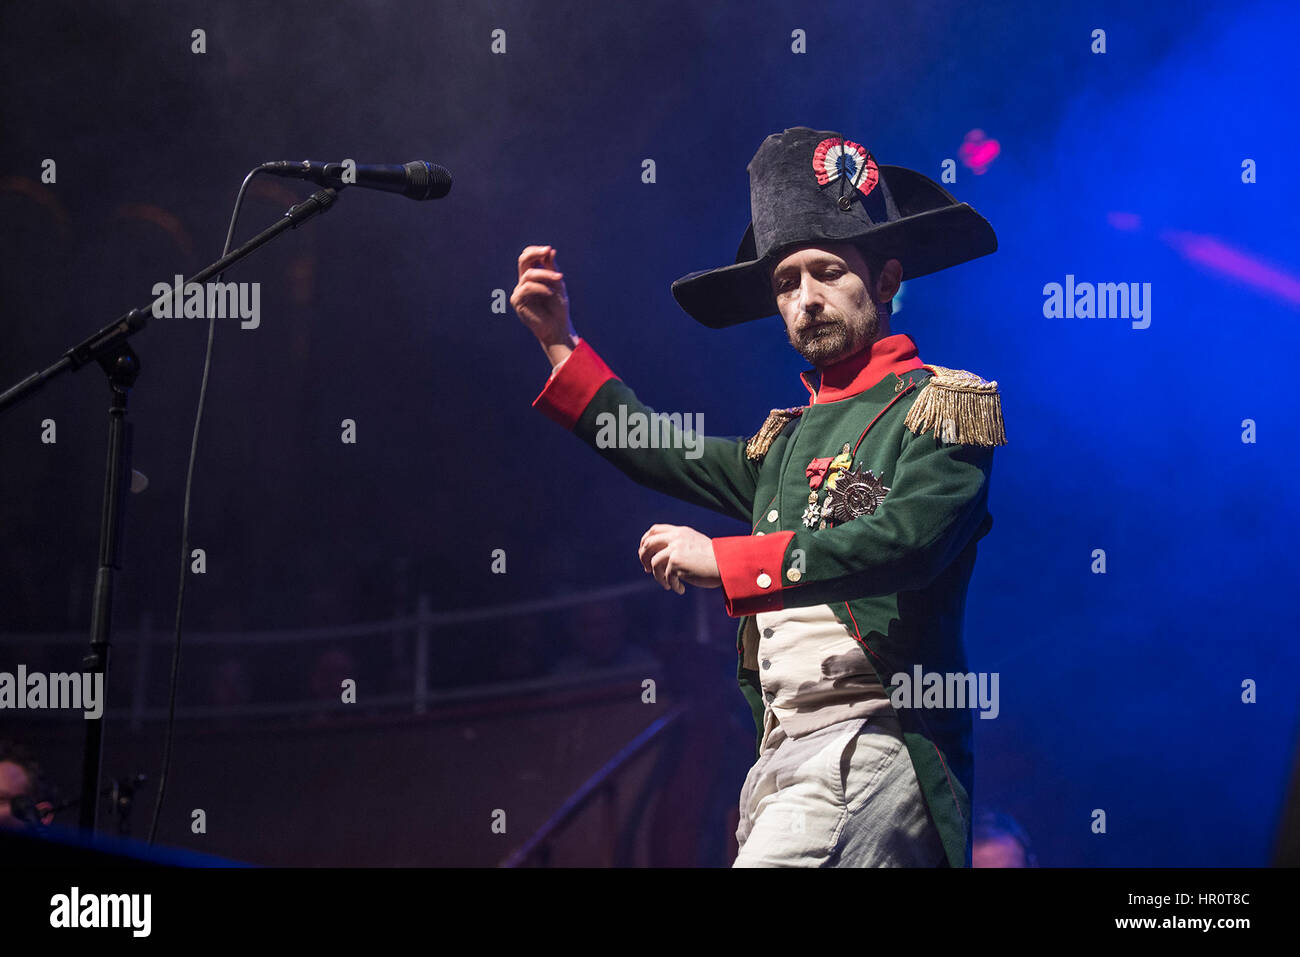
{"x":843,"y":796}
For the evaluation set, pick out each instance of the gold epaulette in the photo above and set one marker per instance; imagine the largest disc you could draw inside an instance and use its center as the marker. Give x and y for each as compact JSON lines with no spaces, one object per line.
{"x":777,"y":420}
{"x":961,"y":407}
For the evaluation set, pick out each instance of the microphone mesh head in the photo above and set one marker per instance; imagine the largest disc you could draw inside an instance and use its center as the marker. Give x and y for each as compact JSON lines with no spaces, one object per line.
{"x":428,"y":181}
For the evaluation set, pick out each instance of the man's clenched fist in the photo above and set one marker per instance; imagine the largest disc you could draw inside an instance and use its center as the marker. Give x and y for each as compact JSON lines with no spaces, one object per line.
{"x":676,"y":554}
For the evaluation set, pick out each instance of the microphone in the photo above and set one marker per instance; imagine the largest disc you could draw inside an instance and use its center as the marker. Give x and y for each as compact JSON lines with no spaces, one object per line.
{"x":417,"y":179}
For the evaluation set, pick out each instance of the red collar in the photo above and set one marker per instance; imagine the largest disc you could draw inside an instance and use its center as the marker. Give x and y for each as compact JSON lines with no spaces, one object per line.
{"x":862,"y":370}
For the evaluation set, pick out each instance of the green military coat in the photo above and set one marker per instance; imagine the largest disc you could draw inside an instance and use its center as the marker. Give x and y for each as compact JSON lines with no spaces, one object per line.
{"x":895,"y":576}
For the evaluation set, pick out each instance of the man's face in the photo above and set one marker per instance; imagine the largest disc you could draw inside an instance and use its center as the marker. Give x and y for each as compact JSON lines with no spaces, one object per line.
{"x":13,"y":784}
{"x":825,"y":298}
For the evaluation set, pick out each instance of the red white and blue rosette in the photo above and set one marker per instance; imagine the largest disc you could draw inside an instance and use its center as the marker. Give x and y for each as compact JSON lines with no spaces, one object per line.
{"x":835,"y":157}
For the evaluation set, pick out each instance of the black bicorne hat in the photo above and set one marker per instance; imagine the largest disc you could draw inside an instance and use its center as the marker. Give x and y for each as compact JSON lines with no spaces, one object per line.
{"x":810,"y":185}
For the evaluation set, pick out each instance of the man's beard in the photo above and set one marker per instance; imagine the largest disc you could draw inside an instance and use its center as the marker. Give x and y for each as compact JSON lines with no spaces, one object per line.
{"x":834,"y":341}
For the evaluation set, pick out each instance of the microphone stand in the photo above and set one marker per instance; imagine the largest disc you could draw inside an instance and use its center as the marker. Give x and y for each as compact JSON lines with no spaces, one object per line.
{"x":110,"y":349}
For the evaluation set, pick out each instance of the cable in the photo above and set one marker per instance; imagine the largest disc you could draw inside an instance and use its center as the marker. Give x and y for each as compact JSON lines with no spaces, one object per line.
{"x":185,"y":526}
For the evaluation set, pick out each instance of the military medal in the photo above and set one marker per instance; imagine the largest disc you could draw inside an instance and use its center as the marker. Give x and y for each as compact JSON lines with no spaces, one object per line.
{"x":856,"y":492}
{"x":816,"y":472}
{"x":812,"y":513}
{"x":829,"y":472}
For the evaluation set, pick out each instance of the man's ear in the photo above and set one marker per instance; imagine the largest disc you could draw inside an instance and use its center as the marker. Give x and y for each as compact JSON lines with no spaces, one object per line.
{"x":890,"y":278}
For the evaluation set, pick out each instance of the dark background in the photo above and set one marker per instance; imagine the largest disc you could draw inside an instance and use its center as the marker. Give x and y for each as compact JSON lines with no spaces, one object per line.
{"x":1119,"y":691}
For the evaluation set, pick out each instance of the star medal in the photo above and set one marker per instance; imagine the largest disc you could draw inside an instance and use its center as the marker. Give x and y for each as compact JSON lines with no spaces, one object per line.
{"x":857,"y":492}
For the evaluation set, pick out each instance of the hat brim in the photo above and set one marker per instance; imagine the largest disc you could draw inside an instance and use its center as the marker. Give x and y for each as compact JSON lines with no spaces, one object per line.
{"x":924,"y":240}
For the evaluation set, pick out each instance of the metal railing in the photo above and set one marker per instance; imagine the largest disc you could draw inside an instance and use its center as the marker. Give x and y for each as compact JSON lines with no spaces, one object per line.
{"x":147,"y":644}
{"x":601,"y":786}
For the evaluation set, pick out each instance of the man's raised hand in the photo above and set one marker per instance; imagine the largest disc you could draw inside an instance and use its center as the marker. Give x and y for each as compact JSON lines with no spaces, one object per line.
{"x":542,"y":302}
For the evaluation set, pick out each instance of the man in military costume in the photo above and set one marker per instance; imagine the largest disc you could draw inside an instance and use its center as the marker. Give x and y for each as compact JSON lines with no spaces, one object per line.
{"x":865,"y":506}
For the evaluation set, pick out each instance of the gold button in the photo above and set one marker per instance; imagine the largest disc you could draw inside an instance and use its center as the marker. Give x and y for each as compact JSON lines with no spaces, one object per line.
{"x":763,"y":580}
{"x":794,"y":574}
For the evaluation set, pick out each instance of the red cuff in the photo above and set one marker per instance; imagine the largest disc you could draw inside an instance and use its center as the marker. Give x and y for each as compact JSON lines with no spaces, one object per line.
{"x":572,"y":386}
{"x":750,"y":568}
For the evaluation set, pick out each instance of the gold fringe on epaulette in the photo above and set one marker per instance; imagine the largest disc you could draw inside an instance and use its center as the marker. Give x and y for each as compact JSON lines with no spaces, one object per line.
{"x":777,"y":420}
{"x":961,"y":407}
